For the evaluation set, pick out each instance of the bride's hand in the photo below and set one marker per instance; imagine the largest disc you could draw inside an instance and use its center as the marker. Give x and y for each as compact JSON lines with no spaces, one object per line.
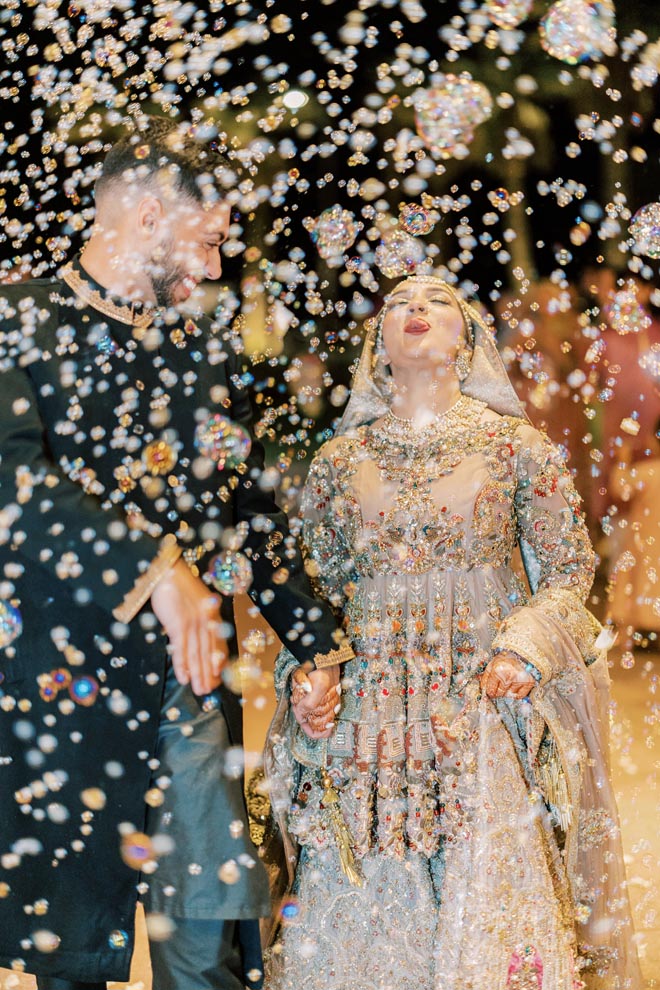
{"x":315,"y":700}
{"x":506,"y":677}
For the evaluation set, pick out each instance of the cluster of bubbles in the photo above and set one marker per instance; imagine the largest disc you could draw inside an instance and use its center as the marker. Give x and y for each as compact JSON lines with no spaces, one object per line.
{"x":447,"y":114}
{"x":224,"y":442}
{"x":230,"y":572}
{"x":645,"y":230}
{"x":625,"y":313}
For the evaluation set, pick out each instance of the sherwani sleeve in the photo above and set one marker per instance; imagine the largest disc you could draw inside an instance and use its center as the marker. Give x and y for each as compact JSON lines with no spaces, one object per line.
{"x":281,"y":587}
{"x":50,"y":519}
{"x":329,"y":563}
{"x":558,"y":558}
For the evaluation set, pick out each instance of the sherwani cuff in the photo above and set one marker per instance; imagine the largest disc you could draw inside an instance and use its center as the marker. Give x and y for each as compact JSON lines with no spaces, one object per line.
{"x":145,"y":584}
{"x":342,"y":654}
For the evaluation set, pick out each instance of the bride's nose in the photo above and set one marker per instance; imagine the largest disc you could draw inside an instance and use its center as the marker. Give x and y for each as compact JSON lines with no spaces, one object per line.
{"x":417,"y":304}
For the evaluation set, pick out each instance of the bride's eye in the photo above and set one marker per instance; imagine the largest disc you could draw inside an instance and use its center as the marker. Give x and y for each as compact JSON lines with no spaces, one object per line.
{"x":441,"y":299}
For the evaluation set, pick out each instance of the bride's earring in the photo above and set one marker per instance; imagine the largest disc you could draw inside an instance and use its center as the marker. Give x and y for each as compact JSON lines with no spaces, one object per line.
{"x":380,"y":354}
{"x":462,"y":363}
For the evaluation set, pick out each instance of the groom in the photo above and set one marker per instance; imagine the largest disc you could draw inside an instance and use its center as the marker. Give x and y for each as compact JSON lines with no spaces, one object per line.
{"x":120,"y":758}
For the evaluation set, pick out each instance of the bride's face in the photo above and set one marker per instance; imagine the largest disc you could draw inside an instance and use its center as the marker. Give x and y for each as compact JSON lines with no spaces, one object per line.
{"x":423,"y":326}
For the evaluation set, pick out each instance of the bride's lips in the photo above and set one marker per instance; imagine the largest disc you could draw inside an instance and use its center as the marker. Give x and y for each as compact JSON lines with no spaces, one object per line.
{"x":416,"y":326}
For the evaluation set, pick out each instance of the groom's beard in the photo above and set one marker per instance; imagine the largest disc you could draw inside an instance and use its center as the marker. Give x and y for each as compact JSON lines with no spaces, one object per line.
{"x":166,"y":276}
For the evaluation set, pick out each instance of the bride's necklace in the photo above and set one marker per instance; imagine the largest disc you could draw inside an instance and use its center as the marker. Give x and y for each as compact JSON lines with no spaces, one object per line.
{"x":464,"y":414}
{"x":399,"y":447}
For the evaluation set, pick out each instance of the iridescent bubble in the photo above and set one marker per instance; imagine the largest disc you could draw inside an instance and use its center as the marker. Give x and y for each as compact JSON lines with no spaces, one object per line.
{"x":399,"y":254}
{"x":118,"y":939}
{"x":45,"y":941}
{"x":289,"y":910}
{"x":624,"y":313}
{"x":223,"y":441}
{"x":136,"y":849}
{"x":645,"y":230}
{"x":415,"y":220}
{"x":11,"y":624}
{"x":508,"y":13}
{"x":446,"y":115}
{"x":84,"y":690}
{"x":575,"y":30}
{"x":230,"y":573}
{"x":61,"y":677}
{"x":333,"y":232}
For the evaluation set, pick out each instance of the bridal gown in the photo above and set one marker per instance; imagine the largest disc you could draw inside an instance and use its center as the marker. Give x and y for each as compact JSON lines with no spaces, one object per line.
{"x":484,"y":833}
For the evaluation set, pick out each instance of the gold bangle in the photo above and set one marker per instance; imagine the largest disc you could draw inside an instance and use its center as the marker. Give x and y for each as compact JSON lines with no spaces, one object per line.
{"x":142,"y":590}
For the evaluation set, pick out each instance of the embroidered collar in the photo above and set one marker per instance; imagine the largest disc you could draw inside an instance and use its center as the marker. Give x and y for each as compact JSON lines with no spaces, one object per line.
{"x":135,"y":315}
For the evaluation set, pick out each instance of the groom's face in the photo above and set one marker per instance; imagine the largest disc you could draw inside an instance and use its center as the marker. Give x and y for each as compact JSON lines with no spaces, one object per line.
{"x":188,"y":250}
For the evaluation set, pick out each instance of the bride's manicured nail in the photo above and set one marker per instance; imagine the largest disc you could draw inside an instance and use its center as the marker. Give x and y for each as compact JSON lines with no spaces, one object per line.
{"x":337,"y":709}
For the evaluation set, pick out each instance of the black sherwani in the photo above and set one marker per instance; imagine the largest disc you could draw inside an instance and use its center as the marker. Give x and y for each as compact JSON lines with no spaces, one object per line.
{"x":80,"y":402}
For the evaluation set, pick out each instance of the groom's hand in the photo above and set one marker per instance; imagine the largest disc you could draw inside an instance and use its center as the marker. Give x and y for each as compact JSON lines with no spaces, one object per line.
{"x":189,"y":614}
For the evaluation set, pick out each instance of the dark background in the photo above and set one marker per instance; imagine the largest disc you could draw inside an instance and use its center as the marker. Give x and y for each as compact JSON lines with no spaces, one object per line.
{"x":75,"y":74}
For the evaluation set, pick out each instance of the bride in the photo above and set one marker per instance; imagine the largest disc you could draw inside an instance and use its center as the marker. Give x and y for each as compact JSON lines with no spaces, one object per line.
{"x":452,"y":826}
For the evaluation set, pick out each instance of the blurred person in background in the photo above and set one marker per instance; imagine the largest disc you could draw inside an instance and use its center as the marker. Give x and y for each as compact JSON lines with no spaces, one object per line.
{"x":634,"y":566}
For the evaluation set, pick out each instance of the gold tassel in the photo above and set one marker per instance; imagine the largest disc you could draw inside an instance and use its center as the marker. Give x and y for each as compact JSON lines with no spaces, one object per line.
{"x":555,"y":787}
{"x":330,"y":801}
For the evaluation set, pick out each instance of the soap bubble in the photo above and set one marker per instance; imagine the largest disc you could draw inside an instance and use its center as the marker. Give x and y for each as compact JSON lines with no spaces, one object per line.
{"x":223,"y":441}
{"x":645,"y":230}
{"x":447,"y":114}
{"x":230,"y":572}
{"x":399,"y":254}
{"x":575,"y":30}
{"x":508,"y":13}
{"x":333,"y":232}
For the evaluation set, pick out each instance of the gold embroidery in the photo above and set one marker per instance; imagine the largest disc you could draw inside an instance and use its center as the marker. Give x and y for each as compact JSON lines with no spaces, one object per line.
{"x":341,"y":655}
{"x":141,"y":591}
{"x":123,"y":314}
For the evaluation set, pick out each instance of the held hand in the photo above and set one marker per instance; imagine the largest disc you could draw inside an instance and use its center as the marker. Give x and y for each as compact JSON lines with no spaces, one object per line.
{"x":315,"y":700}
{"x":189,"y":614}
{"x":506,"y":677}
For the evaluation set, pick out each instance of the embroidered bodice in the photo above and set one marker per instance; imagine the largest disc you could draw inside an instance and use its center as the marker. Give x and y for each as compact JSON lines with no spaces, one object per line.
{"x":411,"y":535}
{"x":457,"y":494}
